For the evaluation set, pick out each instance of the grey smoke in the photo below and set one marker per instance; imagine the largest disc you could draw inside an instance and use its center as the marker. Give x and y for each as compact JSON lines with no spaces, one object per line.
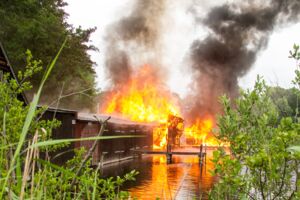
{"x":131,"y":36}
{"x":238,"y":32}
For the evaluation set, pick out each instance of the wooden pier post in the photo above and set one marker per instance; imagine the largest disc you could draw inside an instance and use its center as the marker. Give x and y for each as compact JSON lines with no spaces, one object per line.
{"x":205,"y":148}
{"x":169,"y":154}
{"x":201,"y":155}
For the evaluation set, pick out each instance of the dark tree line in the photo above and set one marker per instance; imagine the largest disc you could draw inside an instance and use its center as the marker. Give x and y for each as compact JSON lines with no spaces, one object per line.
{"x":287,"y":101}
{"x":40,"y":26}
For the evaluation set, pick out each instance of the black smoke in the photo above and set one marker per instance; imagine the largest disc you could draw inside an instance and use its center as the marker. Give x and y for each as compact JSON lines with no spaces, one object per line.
{"x":237,"y":33}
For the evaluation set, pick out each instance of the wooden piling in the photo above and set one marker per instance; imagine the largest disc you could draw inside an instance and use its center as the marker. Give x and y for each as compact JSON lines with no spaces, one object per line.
{"x":169,"y":154}
{"x":201,"y":155}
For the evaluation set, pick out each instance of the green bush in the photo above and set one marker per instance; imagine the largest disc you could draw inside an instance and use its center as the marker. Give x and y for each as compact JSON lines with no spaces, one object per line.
{"x":259,"y":163}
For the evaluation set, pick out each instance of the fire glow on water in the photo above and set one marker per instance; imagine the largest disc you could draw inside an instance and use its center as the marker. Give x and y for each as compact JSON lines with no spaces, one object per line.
{"x":144,"y":99}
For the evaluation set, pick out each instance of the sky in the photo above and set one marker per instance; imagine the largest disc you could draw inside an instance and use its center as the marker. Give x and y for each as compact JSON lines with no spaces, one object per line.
{"x":272,"y":63}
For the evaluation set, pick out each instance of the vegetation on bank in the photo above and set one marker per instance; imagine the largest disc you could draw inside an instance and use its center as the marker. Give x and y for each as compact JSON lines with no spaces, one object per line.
{"x":41,"y":27}
{"x":263,"y":131}
{"x":25,"y":142}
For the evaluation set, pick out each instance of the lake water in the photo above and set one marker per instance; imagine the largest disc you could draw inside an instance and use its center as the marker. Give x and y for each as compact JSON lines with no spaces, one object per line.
{"x":182,"y":179}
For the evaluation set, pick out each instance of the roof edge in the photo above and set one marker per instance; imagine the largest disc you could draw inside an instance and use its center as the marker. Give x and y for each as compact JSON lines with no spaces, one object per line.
{"x":13,"y":73}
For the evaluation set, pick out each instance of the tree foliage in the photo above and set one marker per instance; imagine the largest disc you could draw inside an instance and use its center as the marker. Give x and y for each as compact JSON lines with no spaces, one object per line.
{"x":40,"y":25}
{"x":286,"y":101}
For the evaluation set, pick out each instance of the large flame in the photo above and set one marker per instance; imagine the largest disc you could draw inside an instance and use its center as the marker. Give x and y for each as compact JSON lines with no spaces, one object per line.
{"x":199,"y":132}
{"x":160,"y":136}
{"x":144,"y":99}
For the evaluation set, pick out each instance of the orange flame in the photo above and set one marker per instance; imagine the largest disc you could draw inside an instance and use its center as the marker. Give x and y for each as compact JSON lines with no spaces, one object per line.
{"x":144,"y":99}
{"x":160,"y":136}
{"x":199,"y":131}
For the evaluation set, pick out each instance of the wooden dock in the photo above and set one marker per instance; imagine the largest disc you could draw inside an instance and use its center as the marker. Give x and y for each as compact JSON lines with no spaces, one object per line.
{"x":143,"y":151}
{"x":169,"y":153}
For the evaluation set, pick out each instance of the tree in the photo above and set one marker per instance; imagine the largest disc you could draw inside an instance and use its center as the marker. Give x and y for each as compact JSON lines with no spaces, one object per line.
{"x":285,"y":100}
{"x":40,"y":26}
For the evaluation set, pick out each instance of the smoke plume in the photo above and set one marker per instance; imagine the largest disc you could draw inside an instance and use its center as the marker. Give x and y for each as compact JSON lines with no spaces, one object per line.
{"x":237,"y":33}
{"x":133,"y":38}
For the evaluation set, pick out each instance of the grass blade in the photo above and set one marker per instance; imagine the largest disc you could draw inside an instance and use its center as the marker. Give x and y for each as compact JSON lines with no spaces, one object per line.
{"x":29,"y":118}
{"x":59,"y":141}
{"x":19,"y":174}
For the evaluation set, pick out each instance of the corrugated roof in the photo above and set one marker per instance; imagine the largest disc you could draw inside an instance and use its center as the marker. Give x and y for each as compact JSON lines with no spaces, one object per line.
{"x":113,"y":119}
{"x":59,"y":110}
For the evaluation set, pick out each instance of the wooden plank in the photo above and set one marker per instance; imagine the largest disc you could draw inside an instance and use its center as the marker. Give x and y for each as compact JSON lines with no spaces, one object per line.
{"x":165,"y":152}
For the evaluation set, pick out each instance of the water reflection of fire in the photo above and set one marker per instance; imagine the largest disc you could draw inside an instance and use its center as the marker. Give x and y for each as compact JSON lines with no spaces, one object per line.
{"x":184,"y":179}
{"x":144,"y":99}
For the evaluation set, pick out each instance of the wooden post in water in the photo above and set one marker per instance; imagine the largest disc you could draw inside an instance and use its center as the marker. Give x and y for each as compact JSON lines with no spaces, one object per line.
{"x":201,"y":170}
{"x":169,"y":154}
{"x":205,"y":148}
{"x":201,"y":155}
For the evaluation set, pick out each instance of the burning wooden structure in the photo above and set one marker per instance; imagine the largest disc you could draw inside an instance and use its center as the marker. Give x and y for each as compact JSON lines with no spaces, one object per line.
{"x":143,"y":97}
{"x":167,"y":129}
{"x":175,"y":130}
